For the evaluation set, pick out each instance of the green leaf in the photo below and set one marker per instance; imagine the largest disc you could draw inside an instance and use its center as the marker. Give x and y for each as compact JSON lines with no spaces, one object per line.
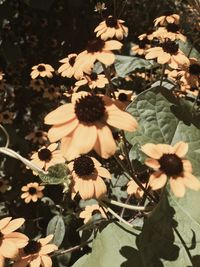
{"x":186,"y":48}
{"x":126,"y":64}
{"x":56,"y":226}
{"x":57,"y":174}
{"x":113,"y":246}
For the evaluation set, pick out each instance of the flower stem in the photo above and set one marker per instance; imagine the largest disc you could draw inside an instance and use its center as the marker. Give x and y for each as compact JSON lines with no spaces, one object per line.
{"x":123,"y":205}
{"x":127,"y":152}
{"x":162,"y":74}
{"x":7,"y":136}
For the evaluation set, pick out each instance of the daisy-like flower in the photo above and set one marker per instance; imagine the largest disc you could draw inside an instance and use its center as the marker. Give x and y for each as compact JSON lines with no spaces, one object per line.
{"x":87,"y":118}
{"x":52,"y":92}
{"x":4,"y":185}
{"x":35,"y":253}
{"x":67,"y":68}
{"x":97,"y":49}
{"x":169,"y":162}
{"x":168,"y":18}
{"x":6,"y":117}
{"x":43,"y":70}
{"x":32,"y":192}
{"x":99,"y":7}
{"x":169,"y":53}
{"x":171,"y":31}
{"x":141,"y":48}
{"x":110,"y":28}
{"x":38,"y":136}
{"x":134,"y":189}
{"x":124,"y":98}
{"x":90,"y":210}
{"x":86,"y":174}
{"x":148,"y":35}
{"x":47,"y":157}
{"x":37,"y":85}
{"x":11,"y":241}
{"x":93,"y":80}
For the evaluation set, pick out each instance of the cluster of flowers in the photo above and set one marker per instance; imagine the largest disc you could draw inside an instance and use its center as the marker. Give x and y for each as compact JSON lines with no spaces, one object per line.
{"x":22,"y":251}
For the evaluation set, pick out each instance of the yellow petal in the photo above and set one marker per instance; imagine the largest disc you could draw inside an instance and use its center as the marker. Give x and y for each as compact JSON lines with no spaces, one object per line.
{"x":157,"y":181}
{"x":60,"y":115}
{"x":152,"y":151}
{"x":177,"y":186}
{"x":180,"y":149}
{"x":12,"y":226}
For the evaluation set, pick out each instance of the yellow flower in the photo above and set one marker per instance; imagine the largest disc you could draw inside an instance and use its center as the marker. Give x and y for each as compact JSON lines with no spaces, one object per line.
{"x":32,"y":192}
{"x":134,"y":189}
{"x":171,"y":31}
{"x":37,"y":136}
{"x":47,"y":157}
{"x":124,"y":98}
{"x":37,"y":85}
{"x":4,"y":185}
{"x":97,"y":49}
{"x":87,"y":118}
{"x":67,"y":69}
{"x":111,"y":28}
{"x":168,"y":18}
{"x":141,"y":48}
{"x":6,"y":117}
{"x":87,"y":172}
{"x":43,"y":70}
{"x":169,"y":161}
{"x":11,"y":241}
{"x":93,"y":80}
{"x":35,"y":253}
{"x":169,"y":53}
{"x":52,"y":92}
{"x":90,"y":210}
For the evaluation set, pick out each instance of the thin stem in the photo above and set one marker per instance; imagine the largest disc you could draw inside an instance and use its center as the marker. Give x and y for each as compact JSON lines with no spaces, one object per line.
{"x":124,"y":208}
{"x":162,"y":74}
{"x":7,"y":136}
{"x":123,"y":205}
{"x":72,"y":249}
{"x":122,"y":9}
{"x":114,"y":7}
{"x":126,"y":152}
{"x":121,"y":164}
{"x":13,"y":154}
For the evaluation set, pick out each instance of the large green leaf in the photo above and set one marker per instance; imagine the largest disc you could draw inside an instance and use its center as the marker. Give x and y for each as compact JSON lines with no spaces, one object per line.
{"x":56,"y":226}
{"x":113,"y":246}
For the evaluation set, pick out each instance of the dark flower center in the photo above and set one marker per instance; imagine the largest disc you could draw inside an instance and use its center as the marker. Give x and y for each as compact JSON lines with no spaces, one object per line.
{"x":96,"y":212}
{"x":95,"y":45}
{"x":142,"y":43}
{"x":1,"y":183}
{"x":32,"y":247}
{"x":89,"y":109}
{"x":32,"y":190}
{"x":155,"y":42}
{"x":171,"y":164}
{"x":72,"y":61}
{"x":111,"y":22}
{"x":83,"y":165}
{"x":93,"y":76}
{"x":38,"y":134}
{"x":6,"y":116}
{"x":37,"y":83}
{"x":45,"y":154}
{"x":51,"y":89}
{"x":123,"y":97}
{"x":167,"y":13}
{"x":194,"y":69}
{"x":172,"y":27}
{"x":170,"y":47}
{"x":41,"y":68}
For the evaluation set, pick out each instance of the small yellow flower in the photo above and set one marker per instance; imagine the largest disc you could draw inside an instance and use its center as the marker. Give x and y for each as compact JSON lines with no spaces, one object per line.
{"x":67,"y":69}
{"x":38,"y":136}
{"x":35,"y":253}
{"x":37,"y":85}
{"x":43,"y":70}
{"x":93,"y":80}
{"x":52,"y":92}
{"x":90,"y":210}
{"x":32,"y":192}
{"x":169,"y":161}
{"x":169,"y":18}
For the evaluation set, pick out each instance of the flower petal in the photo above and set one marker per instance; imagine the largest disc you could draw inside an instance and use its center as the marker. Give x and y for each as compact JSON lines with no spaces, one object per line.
{"x":46,"y":261}
{"x":180,"y":149}
{"x":46,"y":249}
{"x":36,"y":262}
{"x":157,"y":180}
{"x":191,"y":181}
{"x":104,"y":172}
{"x":177,"y":186}
{"x":12,"y":226}
{"x":152,"y":151}
{"x":100,"y":187}
{"x":152,"y":163}
{"x":60,"y":115}
{"x":4,"y":222}
{"x":46,"y":239}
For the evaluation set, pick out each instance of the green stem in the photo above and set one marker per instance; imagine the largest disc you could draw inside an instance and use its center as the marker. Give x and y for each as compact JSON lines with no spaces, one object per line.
{"x":126,"y":152}
{"x":123,"y":205}
{"x":162,"y":74}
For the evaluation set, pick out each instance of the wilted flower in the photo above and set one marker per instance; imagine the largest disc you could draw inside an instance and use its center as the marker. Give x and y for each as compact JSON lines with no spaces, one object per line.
{"x":90,"y":210}
{"x":87,"y":118}
{"x":35,"y":253}
{"x":32,"y":192}
{"x":47,"y":157}
{"x":43,"y":70}
{"x":11,"y":241}
{"x":87,"y":173}
{"x":169,"y":161}
{"x":110,"y":28}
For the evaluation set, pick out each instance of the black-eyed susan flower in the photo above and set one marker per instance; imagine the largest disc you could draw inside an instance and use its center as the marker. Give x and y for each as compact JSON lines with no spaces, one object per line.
{"x":6,"y":117}
{"x":37,"y":136}
{"x":32,"y":192}
{"x":37,"y":85}
{"x":171,"y":32}
{"x":97,"y":49}
{"x":11,"y":241}
{"x":87,"y":176}
{"x":168,"y":53}
{"x":90,"y":210}
{"x":67,"y":68}
{"x":47,"y":156}
{"x":168,"y":18}
{"x":35,"y":253}
{"x":87,"y":118}
{"x":93,"y":80}
{"x":110,"y":28}
{"x":43,"y":70}
{"x":52,"y":92}
{"x":169,"y":162}
{"x":141,"y":48}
